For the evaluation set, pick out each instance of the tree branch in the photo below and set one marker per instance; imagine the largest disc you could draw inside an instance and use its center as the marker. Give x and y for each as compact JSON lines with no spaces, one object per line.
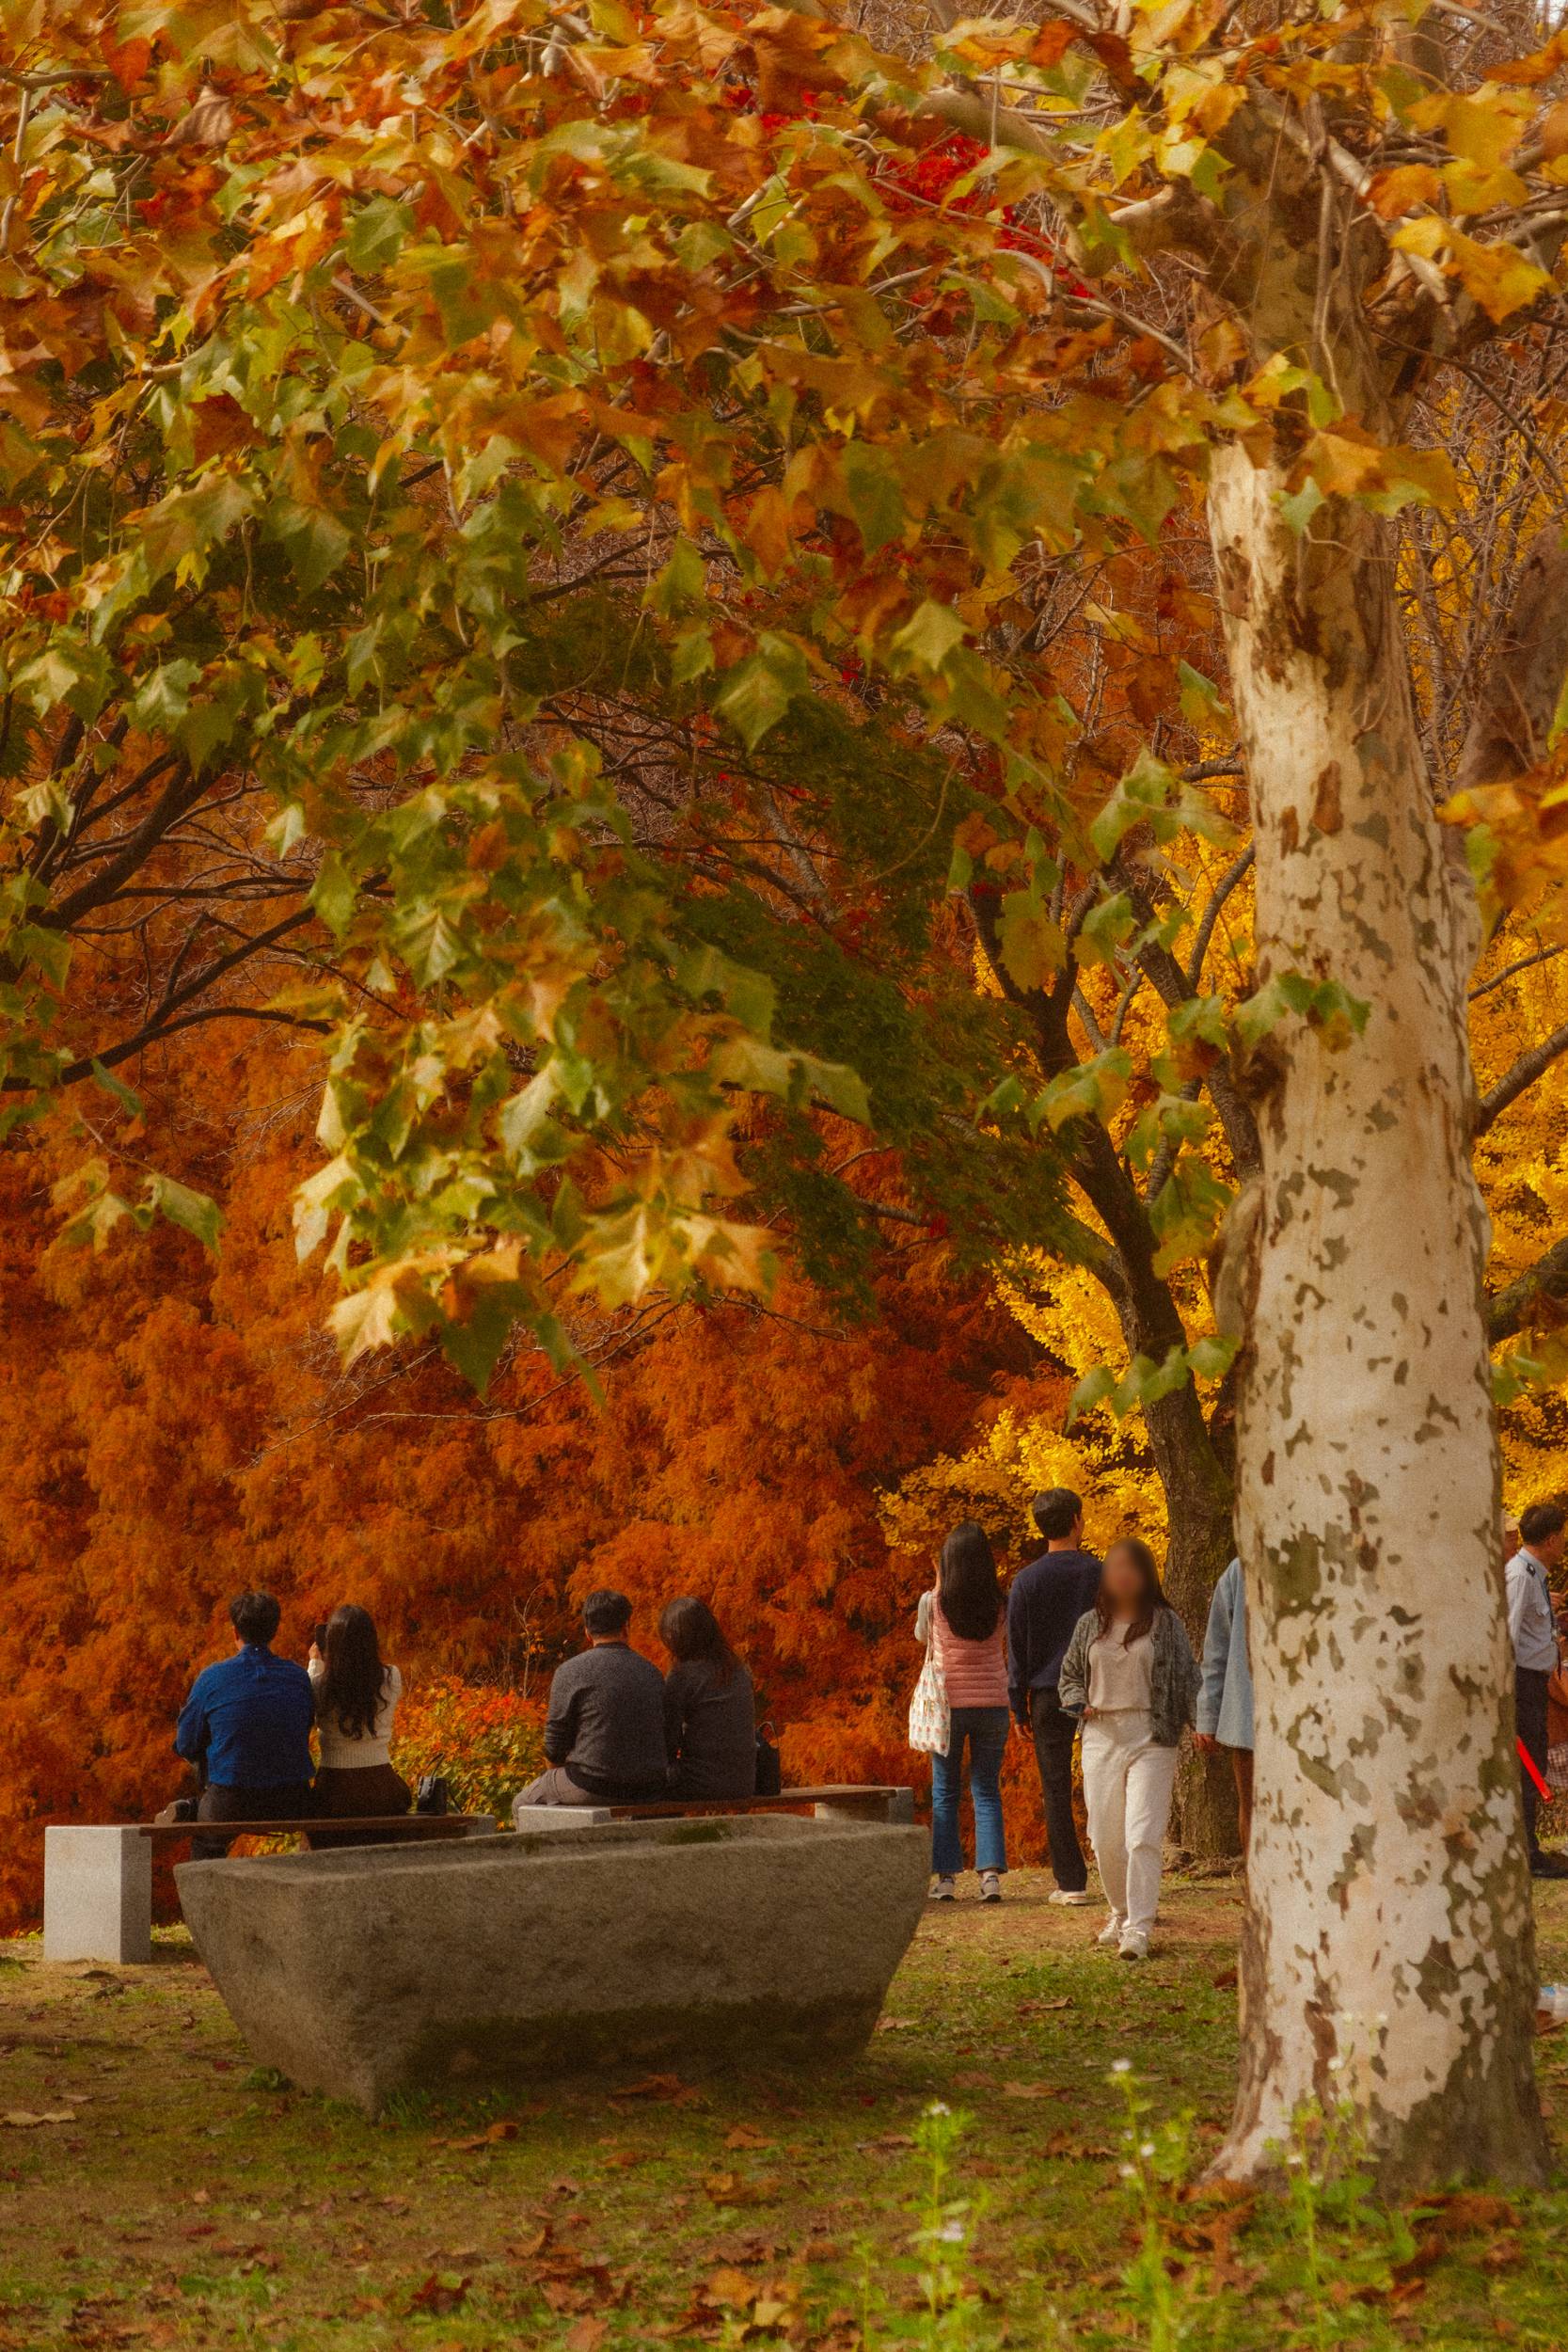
{"x":1514,"y":1082}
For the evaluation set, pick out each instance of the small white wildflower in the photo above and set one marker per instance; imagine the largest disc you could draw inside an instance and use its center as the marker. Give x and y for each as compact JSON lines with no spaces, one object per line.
{"x":1121,"y":2066}
{"x":1336,"y":2065}
{"x":1295,"y":2158}
{"x":939,"y":2107}
{"x":1147,"y":2149}
{"x":1129,"y":2171}
{"x":952,"y":2233}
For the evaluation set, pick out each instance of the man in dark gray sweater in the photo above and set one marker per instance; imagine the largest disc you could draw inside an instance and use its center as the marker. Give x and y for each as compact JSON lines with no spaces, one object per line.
{"x":604,"y":1735}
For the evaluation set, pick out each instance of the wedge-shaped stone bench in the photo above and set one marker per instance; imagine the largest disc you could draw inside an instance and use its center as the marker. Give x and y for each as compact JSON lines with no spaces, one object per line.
{"x":361,"y":1973}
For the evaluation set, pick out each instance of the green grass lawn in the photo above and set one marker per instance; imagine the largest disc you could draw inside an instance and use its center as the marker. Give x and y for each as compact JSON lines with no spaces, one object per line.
{"x":187,"y":2200}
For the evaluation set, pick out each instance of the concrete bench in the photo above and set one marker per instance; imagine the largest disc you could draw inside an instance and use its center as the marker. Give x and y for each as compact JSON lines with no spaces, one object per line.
{"x":98,"y":1879}
{"x":852,"y":1801}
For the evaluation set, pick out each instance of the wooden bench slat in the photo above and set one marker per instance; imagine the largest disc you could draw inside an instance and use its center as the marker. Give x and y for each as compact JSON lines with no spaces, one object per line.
{"x":421,"y":1825}
{"x":859,"y":1792}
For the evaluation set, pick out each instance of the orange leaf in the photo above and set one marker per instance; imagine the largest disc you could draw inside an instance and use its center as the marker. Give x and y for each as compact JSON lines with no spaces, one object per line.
{"x":1401,"y":190}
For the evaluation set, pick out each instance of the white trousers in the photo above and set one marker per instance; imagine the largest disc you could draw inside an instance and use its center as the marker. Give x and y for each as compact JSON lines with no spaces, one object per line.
{"x":1127,"y":1787}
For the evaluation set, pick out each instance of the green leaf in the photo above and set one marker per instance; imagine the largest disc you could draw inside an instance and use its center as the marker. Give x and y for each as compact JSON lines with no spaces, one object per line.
{"x":931,"y":635}
{"x":116,"y":1087}
{"x":194,"y":1211}
{"x":760,"y":690}
{"x":377,"y":234}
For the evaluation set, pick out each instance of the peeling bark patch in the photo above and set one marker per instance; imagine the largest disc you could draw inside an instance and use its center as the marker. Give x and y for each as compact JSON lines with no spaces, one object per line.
{"x":1326,"y":813}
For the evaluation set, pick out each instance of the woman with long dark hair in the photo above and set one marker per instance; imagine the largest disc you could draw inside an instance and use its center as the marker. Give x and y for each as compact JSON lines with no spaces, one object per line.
{"x":710,"y":1726}
{"x":965,"y":1625}
{"x":356,"y":1697}
{"x":1130,"y":1673}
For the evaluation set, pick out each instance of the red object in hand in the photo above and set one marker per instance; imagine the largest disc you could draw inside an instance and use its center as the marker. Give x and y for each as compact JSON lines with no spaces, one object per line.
{"x":1528,"y":1762}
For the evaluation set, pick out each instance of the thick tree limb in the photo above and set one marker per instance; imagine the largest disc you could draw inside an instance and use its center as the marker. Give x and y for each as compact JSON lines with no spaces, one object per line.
{"x":1516,"y":1081}
{"x":1519,"y":694}
{"x":1513,"y":1309}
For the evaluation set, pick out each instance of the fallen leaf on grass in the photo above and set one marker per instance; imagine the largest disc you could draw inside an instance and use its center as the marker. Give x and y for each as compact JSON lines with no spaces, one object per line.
{"x":895,"y":2024}
{"x":622,"y":2159}
{"x":490,"y":2137}
{"x":586,"y":2335}
{"x":1033,"y":2091}
{"x":1039,"y":2009}
{"x":746,"y":2136}
{"x":442,"y":2291}
{"x":734,"y":2188}
{"x":1469,"y":2209}
{"x":1226,"y":1981}
{"x":21,"y":2120}
{"x":1076,"y":2151}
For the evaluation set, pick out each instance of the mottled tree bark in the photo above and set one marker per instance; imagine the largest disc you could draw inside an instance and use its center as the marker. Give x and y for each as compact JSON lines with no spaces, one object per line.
{"x":1389,"y":1955}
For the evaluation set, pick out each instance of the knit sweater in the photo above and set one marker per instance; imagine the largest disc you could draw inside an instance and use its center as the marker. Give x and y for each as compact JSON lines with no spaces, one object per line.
{"x":1173,"y":1678}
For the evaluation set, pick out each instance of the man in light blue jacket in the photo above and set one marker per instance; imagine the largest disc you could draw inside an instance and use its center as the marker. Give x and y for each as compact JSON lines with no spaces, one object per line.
{"x":1225,"y":1699}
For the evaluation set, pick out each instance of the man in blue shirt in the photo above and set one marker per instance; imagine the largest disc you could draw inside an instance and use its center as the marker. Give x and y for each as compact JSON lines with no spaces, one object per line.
{"x":1225,"y":1700}
{"x":1046,"y":1602}
{"x":246,"y":1728}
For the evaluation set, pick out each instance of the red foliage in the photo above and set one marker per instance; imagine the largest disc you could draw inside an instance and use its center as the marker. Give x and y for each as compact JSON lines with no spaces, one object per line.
{"x":177,"y":1427}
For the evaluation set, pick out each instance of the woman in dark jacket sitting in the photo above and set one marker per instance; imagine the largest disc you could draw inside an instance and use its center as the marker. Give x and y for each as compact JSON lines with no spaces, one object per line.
{"x":709,"y":1711}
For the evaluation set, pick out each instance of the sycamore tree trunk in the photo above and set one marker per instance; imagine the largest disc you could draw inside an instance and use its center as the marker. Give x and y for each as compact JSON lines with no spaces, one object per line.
{"x":1389,"y":1955}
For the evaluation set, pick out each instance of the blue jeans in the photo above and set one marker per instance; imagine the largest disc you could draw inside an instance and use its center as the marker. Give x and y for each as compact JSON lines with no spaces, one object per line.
{"x":985,"y":1730}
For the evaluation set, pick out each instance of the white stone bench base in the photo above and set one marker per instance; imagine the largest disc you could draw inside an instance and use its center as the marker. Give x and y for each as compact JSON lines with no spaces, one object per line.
{"x":97,"y":1890}
{"x":96,"y":1894}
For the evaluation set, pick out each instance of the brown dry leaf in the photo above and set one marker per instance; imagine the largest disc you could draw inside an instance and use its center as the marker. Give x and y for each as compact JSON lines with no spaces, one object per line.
{"x":1076,"y":2151}
{"x":746,"y":2136}
{"x":1505,"y":2255}
{"x":1040,"y":2008}
{"x":22,"y":2120}
{"x":731,"y":2289}
{"x":585,"y":2335}
{"x":622,"y":2159}
{"x":490,"y":2137}
{"x":1469,"y":2209}
{"x":209,"y":122}
{"x":734,"y":2188}
{"x":441,"y":2293}
{"x":1226,"y":1981}
{"x":1032,"y":2090}
{"x":895,"y":2024}
{"x":1554,"y":132}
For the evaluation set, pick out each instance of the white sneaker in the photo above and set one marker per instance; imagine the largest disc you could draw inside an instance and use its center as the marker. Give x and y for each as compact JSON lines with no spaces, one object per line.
{"x":1133,"y":1945}
{"x":1114,"y":1930}
{"x":942,"y":1891}
{"x":1075,"y":1897}
{"x":990,"y":1887}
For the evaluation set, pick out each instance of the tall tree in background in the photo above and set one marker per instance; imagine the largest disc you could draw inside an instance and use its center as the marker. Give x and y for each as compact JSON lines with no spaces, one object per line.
{"x":331,"y":406}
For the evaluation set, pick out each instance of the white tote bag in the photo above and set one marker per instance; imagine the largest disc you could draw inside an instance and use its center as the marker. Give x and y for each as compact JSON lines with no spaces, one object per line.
{"x":930,"y":1722}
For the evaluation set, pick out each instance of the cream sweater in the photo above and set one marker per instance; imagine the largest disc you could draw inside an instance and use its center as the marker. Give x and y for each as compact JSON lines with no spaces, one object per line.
{"x":339,"y":1753}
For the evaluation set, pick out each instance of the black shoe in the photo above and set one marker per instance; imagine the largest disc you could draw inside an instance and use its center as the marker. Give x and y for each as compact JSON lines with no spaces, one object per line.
{"x":1548,"y":1866}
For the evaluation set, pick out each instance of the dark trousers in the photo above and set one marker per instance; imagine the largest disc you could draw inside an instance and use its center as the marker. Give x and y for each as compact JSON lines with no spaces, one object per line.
{"x":247,"y":1804}
{"x":1241,"y":1766}
{"x":1054,"y":1733}
{"x":1529,"y":1710}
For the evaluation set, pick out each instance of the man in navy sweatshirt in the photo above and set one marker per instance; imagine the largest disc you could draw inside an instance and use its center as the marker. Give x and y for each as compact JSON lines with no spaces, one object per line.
{"x":1046,"y":1602}
{"x":246,"y":1728}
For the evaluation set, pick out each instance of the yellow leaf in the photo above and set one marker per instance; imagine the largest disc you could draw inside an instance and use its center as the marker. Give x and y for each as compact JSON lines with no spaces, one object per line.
{"x":1473,"y":191}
